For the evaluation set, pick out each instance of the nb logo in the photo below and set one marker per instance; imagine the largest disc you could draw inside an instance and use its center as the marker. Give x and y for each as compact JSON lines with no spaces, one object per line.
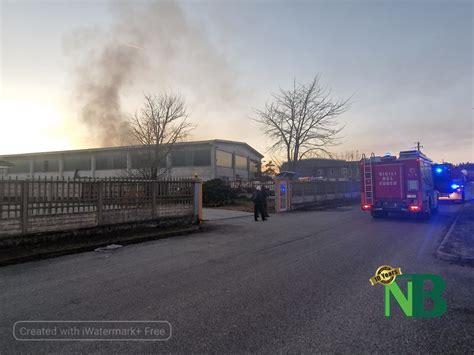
{"x":413,"y":303}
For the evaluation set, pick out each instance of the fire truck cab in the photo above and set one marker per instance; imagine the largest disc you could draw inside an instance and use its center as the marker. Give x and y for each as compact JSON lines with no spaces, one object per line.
{"x":403,"y":184}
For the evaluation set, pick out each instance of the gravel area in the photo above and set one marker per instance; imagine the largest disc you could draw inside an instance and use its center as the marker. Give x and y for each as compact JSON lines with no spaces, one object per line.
{"x":460,"y":242}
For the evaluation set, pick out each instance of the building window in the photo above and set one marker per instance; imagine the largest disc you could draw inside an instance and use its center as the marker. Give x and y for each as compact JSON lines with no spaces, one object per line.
{"x":78,"y":162}
{"x":344,"y":172}
{"x":254,"y":166}
{"x":104,"y":161}
{"x":202,"y":157}
{"x":47,"y":165}
{"x":146,"y":159}
{"x":240,"y":162}
{"x":182,"y":158}
{"x":20,"y":166}
{"x":223,"y":159}
{"x":140,"y":160}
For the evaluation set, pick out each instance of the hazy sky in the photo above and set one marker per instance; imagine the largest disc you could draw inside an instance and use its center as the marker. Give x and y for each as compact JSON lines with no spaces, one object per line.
{"x":407,"y":64}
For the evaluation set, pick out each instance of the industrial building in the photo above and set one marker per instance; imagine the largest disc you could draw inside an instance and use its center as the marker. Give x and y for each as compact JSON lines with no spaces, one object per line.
{"x":227,"y":160}
{"x":327,"y":169}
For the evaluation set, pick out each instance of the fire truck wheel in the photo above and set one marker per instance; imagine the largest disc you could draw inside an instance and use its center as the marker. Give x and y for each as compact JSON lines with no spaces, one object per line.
{"x":434,"y":209}
{"x":427,"y":214}
{"x":378,"y":214}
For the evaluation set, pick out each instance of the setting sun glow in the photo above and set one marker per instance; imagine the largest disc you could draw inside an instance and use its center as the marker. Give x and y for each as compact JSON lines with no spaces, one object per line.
{"x":29,"y":126}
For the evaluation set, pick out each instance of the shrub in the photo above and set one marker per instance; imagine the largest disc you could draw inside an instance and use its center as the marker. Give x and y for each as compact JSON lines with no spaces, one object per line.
{"x":216,"y":193}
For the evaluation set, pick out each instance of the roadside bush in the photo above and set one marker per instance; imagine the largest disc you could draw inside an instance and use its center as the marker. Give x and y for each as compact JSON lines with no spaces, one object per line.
{"x":216,"y":193}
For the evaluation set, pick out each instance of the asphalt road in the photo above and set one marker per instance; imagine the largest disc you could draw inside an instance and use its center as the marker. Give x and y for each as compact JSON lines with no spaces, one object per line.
{"x":298,"y":282}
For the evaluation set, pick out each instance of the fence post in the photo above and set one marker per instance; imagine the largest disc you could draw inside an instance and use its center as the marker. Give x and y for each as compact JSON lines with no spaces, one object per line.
{"x":153,"y":199}
{"x":24,"y":207}
{"x":197,"y":201}
{"x":99,"y":202}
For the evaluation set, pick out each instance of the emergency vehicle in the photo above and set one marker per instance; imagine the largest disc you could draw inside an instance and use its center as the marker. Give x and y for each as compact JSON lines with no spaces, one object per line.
{"x":403,"y":184}
{"x":449,"y":181}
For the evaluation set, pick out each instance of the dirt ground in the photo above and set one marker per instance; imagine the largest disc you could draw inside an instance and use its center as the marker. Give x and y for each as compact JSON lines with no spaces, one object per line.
{"x":461,"y":240}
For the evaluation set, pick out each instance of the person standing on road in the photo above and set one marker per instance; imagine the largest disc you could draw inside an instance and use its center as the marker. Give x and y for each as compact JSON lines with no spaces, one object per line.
{"x":265,"y":194}
{"x":257,"y":198}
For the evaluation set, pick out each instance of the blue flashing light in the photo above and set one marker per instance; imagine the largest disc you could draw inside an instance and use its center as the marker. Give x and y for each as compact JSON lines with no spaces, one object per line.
{"x":439,"y":170}
{"x":455,"y":186}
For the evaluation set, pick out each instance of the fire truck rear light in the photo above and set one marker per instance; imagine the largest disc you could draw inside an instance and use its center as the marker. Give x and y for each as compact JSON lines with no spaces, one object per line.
{"x":366,"y":207}
{"x":414,"y":208}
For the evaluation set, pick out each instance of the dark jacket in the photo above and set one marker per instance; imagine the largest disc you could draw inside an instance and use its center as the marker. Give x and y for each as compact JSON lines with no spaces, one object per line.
{"x":258,"y":197}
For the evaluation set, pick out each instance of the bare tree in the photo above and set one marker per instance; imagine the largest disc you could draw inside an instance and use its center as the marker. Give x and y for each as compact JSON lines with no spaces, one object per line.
{"x":302,"y":121}
{"x":162,"y":122}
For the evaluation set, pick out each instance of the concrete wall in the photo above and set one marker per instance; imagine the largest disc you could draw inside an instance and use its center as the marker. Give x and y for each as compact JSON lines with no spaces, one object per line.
{"x":202,"y":172}
{"x":225,"y":173}
{"x":83,"y":236}
{"x":65,"y":205}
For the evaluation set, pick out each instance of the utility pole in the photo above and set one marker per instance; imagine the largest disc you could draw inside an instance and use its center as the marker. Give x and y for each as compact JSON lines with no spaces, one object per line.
{"x":418,"y":146}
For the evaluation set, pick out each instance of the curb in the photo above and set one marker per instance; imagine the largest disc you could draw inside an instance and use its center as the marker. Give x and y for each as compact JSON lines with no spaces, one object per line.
{"x":92,"y":246}
{"x":324,"y":207}
{"x":223,"y":219}
{"x":449,"y":256}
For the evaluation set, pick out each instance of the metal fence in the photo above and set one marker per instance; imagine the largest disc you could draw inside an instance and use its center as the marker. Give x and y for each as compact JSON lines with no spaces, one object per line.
{"x":303,"y":193}
{"x":39,"y":205}
{"x":249,"y":186}
{"x":292,"y":195}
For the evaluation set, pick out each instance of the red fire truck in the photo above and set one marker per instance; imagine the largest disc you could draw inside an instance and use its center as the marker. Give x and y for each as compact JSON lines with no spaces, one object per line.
{"x":403,"y":184}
